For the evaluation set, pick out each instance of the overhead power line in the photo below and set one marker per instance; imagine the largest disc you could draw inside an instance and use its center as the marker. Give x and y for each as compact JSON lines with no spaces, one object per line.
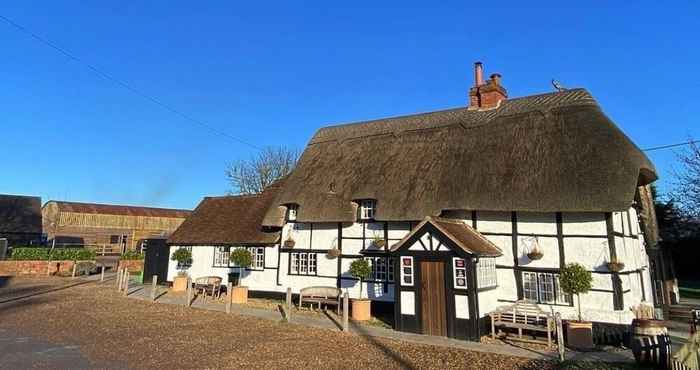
{"x":670,"y":145}
{"x":125,"y":85}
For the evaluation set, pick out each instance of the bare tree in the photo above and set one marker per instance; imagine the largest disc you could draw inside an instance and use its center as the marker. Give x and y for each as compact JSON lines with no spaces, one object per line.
{"x":262,"y":169}
{"x":687,"y":190}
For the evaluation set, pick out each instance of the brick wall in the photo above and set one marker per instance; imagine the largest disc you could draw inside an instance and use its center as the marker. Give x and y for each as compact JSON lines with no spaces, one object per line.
{"x":36,"y":268}
{"x":131,"y":265}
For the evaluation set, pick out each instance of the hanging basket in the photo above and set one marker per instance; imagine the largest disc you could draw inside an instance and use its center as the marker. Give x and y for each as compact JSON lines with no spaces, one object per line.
{"x":289,"y":243}
{"x":535,"y":255}
{"x":615,"y":266}
{"x":379,"y":243}
{"x":333,"y":253}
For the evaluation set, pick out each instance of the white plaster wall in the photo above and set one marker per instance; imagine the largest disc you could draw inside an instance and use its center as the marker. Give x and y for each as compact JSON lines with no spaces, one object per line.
{"x":324,"y":236}
{"x":617,"y":222}
{"x":548,"y":245}
{"x":494,"y":222}
{"x":353,"y":230}
{"x":507,"y":289}
{"x":505,"y":243}
{"x":408,"y":303}
{"x":488,"y":301}
{"x":537,"y":223}
{"x":592,"y":253}
{"x":580,"y":223}
{"x":301,"y":233}
{"x":398,"y":230}
{"x":202,"y":260}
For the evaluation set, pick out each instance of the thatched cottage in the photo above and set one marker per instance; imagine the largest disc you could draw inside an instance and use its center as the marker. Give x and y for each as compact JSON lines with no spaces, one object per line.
{"x":481,"y":204}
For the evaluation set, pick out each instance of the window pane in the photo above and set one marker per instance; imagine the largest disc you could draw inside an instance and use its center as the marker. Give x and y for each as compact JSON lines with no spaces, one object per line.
{"x":312,"y":263}
{"x":530,"y":286}
{"x":295,"y":263}
{"x":546,"y":287}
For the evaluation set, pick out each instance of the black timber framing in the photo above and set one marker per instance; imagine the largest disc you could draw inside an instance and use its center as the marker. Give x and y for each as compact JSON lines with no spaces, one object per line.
{"x":514,"y":241}
{"x":618,"y":297}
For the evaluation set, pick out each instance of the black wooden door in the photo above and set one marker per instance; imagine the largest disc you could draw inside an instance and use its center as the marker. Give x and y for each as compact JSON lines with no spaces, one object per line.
{"x":433,"y":310}
{"x":156,"y":260}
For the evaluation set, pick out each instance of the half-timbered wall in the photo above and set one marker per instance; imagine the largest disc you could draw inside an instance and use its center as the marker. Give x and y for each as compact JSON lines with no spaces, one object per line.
{"x":589,"y":239}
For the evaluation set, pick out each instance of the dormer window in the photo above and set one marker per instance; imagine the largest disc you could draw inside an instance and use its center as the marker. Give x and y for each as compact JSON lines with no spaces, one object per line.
{"x":367,"y":209}
{"x":292,"y":212}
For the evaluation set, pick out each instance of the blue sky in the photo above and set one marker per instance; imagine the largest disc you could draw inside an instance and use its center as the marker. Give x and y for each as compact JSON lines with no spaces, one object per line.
{"x":271,"y":74}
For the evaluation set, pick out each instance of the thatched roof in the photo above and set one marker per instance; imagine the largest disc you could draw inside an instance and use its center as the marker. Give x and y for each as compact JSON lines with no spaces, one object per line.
{"x":20,"y":214}
{"x":118,"y":210}
{"x":461,"y":234}
{"x":228,"y":220}
{"x":647,"y":215}
{"x":545,"y":153}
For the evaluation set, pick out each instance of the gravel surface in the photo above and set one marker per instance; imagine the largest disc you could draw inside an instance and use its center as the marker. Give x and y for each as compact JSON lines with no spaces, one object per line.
{"x":144,"y":335}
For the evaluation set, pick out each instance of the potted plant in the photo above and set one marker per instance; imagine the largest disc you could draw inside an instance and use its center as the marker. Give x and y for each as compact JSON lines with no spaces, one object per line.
{"x":575,"y":279}
{"x":615,"y":265}
{"x":333,"y":252}
{"x":535,"y":252}
{"x":289,"y":243}
{"x":361,"y":307}
{"x":183,"y":256}
{"x":242,"y":259}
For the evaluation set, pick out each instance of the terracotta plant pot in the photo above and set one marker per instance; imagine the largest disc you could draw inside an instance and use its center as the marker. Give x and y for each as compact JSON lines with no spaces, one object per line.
{"x":289,"y":243}
{"x":239,"y":294}
{"x":534,"y":256}
{"x":616,"y":266}
{"x":579,"y":335}
{"x":180,"y":284}
{"x":361,"y":309}
{"x":333,"y":253}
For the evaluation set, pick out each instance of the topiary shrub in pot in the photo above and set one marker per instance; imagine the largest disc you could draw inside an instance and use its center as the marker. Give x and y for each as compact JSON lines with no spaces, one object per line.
{"x":241,"y":258}
{"x":361,"y":307}
{"x":574,"y":279}
{"x":183,"y":256}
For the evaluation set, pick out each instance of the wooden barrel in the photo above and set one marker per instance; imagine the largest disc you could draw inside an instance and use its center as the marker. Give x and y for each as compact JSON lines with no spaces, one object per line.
{"x":651,"y":344}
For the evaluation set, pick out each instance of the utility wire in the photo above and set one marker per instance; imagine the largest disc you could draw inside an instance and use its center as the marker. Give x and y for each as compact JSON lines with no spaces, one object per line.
{"x":124,"y":84}
{"x":671,"y":145}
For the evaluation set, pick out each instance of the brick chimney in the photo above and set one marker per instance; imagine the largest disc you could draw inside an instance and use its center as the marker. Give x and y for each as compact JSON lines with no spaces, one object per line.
{"x":486,"y":94}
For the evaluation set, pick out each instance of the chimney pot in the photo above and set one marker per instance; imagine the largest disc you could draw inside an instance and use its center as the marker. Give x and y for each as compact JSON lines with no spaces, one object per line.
{"x":478,"y":74}
{"x":496,"y":78}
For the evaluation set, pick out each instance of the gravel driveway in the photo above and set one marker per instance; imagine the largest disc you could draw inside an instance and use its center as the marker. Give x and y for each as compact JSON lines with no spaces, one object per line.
{"x":108,"y":328}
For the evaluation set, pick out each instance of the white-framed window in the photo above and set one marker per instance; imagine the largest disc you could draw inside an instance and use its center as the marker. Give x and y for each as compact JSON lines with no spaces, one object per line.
{"x":292,"y":212}
{"x":302,"y":263}
{"x":406,"y":271}
{"x":382,"y":268}
{"x":543,"y":287}
{"x":221,"y":256}
{"x":486,"y":273}
{"x":459,"y":273}
{"x":367,"y":209}
{"x":258,"y":254}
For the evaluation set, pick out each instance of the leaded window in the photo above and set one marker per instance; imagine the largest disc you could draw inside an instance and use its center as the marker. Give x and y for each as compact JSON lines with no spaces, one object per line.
{"x":486,"y":273}
{"x":221,"y":256}
{"x":302,"y":263}
{"x":543,"y":287}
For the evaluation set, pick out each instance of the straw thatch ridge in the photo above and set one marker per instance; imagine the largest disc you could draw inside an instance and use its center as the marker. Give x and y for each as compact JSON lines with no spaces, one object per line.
{"x":461,"y":234}
{"x":117,"y":210}
{"x":543,"y":153}
{"x":228,"y":220}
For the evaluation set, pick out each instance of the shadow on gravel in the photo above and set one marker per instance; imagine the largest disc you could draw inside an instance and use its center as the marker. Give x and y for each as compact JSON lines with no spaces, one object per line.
{"x":4,"y":280}
{"x":32,"y":291}
{"x":403,"y":363}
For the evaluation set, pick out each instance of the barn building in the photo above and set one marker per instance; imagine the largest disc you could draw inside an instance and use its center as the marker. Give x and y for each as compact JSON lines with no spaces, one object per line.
{"x":20,"y":219}
{"x":116,"y":228}
{"x":447,"y":206}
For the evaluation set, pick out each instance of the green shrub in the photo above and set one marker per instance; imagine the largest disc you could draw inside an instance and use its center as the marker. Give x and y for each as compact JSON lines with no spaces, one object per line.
{"x":241,"y":257}
{"x":183,"y":256}
{"x":575,"y":279}
{"x":58,"y":254}
{"x":131,"y":255}
{"x":360,"y":269}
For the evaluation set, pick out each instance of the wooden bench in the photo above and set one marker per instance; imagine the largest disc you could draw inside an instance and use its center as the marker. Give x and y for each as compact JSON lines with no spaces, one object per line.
{"x":523,"y":315}
{"x":325,"y":295}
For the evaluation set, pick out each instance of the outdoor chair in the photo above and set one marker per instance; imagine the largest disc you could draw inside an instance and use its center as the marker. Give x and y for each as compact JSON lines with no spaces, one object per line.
{"x":208,"y":285}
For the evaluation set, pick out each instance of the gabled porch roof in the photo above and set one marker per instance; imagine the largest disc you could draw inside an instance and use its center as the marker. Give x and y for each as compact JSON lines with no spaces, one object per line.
{"x":462,"y":235}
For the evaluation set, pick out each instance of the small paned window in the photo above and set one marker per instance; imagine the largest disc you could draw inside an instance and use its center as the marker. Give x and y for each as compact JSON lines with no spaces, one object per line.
{"x":407,"y":271}
{"x":114,"y":239}
{"x":292,"y":212}
{"x":302,"y":263}
{"x":382,"y":268}
{"x":221,"y":256}
{"x":258,"y":254}
{"x":543,"y":287}
{"x":367,"y":209}
{"x":486,"y":273}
